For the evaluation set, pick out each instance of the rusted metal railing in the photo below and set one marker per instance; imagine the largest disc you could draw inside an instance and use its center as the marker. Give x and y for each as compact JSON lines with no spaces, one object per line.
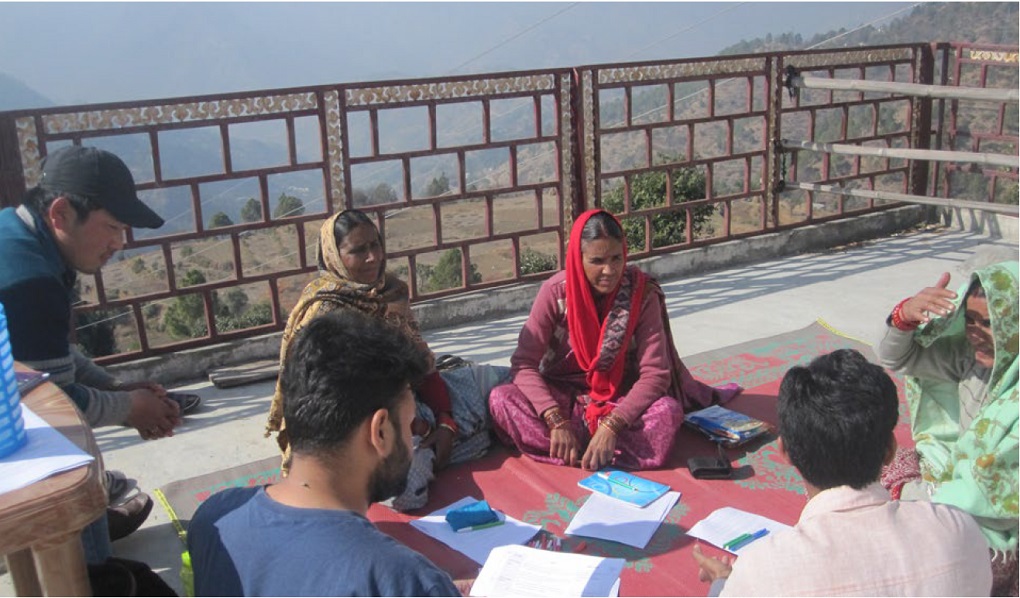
{"x":474,"y":180}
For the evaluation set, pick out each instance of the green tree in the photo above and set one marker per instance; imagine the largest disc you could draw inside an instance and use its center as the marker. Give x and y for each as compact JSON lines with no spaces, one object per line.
{"x":251,"y":211}
{"x":138,"y":265}
{"x":533,"y":261}
{"x":220,"y":219}
{"x":258,"y":314}
{"x":236,"y":302}
{"x":648,"y":190}
{"x":446,"y":274}
{"x":438,"y":186}
{"x":288,"y":206}
{"x":382,"y":193}
{"x":359,"y":197}
{"x":94,"y":331}
{"x":185,"y":317}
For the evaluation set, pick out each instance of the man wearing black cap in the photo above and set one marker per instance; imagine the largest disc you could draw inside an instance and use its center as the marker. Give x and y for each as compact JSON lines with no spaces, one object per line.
{"x":75,"y":221}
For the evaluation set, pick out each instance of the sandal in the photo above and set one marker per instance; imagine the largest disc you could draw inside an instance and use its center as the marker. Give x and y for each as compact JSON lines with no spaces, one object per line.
{"x":118,"y":485}
{"x":186,"y":401}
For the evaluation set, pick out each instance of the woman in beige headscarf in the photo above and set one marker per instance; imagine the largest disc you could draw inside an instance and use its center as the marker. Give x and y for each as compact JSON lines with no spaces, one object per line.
{"x":352,"y":275}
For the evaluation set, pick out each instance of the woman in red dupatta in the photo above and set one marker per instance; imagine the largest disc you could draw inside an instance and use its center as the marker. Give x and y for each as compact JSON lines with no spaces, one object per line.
{"x":596,"y":378}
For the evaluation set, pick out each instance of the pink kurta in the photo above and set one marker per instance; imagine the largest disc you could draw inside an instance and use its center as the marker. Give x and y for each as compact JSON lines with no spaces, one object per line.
{"x":546,"y":374}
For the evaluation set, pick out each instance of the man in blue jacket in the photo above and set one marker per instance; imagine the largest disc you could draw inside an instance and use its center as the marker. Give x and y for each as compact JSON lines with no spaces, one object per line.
{"x":75,"y":221}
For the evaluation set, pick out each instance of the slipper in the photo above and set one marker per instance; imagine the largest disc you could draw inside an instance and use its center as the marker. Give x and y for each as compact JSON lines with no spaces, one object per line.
{"x":186,"y":401}
{"x":118,"y":485}
{"x":124,"y":519}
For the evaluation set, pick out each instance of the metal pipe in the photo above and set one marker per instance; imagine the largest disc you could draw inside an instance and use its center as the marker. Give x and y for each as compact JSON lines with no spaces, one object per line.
{"x":892,"y":196}
{"x":905,"y":153}
{"x":910,"y":89}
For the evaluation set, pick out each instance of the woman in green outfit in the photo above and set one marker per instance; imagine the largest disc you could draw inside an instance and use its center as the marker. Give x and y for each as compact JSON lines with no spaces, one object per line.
{"x":959,"y":352}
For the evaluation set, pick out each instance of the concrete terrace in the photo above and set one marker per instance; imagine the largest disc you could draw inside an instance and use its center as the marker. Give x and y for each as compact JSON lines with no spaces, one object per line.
{"x":851,"y":288}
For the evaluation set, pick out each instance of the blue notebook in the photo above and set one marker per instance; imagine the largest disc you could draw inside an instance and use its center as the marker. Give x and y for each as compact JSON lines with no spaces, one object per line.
{"x":624,"y":486}
{"x":725,"y":426}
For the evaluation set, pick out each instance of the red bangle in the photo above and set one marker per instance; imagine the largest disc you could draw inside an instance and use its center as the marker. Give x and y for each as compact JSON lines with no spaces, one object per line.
{"x":896,"y":318}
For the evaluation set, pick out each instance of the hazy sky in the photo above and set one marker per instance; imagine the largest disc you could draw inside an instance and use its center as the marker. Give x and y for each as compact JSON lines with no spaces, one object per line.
{"x":98,"y":52}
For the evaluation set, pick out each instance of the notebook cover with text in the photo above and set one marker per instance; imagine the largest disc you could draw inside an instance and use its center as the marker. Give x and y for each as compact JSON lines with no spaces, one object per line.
{"x":624,"y":486}
{"x":726,"y":426}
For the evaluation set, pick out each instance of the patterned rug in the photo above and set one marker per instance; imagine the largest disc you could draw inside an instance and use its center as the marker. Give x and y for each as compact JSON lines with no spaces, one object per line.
{"x":549,"y":496}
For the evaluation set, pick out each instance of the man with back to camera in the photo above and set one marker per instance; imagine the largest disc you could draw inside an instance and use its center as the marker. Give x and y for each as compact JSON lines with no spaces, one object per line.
{"x":346,"y":387}
{"x":852,"y":538}
{"x":75,"y":221}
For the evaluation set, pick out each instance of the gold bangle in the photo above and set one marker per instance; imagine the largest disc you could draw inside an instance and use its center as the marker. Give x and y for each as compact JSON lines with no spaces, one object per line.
{"x":613,"y":423}
{"x":555,"y":419}
{"x":448,"y":427}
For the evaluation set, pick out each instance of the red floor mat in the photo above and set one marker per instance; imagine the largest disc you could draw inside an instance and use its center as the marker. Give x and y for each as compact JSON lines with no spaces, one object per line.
{"x":548,"y":495}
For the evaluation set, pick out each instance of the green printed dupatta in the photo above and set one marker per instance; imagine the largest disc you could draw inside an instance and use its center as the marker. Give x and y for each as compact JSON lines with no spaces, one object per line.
{"x":975,"y":469}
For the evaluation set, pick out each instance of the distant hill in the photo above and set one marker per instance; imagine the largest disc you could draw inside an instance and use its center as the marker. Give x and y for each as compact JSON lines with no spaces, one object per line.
{"x":981,"y":22}
{"x":15,"y":95}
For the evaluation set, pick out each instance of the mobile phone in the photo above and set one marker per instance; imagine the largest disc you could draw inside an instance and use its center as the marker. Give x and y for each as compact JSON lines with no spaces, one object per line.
{"x":29,"y":380}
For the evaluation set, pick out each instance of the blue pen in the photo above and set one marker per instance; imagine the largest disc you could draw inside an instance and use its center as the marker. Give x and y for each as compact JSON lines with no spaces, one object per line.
{"x":742,"y":543}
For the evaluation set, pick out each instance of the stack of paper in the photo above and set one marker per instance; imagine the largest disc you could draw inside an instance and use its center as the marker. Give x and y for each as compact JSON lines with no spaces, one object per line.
{"x":608,"y":519}
{"x":523,"y":571}
{"x":47,"y":452}
{"x":475,"y":544}
{"x":727,"y":523}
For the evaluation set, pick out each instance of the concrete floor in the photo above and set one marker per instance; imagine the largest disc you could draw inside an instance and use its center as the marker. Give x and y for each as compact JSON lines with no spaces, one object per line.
{"x":851,"y":288}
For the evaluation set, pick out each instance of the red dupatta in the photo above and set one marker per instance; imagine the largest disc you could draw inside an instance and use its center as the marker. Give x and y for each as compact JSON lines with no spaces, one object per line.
{"x":600,"y":343}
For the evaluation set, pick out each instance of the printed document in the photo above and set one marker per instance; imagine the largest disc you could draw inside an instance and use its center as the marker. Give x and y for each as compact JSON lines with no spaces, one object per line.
{"x":523,"y":571}
{"x":728,"y":523}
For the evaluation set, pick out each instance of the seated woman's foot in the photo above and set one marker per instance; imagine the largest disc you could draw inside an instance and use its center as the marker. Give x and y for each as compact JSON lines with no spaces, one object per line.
{"x":416,"y":494}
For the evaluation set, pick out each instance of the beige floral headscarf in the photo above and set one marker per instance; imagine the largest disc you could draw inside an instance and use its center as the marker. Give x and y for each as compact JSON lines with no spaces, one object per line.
{"x":333,"y":289}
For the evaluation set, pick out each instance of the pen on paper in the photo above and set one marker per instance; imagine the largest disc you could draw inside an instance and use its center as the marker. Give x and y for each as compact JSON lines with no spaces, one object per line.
{"x":736,"y":540}
{"x":609,"y":478}
{"x":474,"y":528}
{"x":751,"y":538}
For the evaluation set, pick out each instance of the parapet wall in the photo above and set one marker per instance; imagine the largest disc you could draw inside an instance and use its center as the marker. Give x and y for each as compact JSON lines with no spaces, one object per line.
{"x":494,"y":303}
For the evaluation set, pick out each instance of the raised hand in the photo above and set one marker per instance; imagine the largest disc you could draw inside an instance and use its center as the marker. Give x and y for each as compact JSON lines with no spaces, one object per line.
{"x":929,"y":303}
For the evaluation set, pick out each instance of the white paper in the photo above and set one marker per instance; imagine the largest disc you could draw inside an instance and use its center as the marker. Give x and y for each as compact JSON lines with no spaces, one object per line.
{"x":522,"y":571}
{"x":475,"y":544}
{"x":727,"y":523}
{"x":605,"y":518}
{"x":45,"y":453}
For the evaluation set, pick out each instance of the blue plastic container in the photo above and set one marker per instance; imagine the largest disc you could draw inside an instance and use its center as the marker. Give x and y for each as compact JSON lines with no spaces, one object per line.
{"x":12,"y":423}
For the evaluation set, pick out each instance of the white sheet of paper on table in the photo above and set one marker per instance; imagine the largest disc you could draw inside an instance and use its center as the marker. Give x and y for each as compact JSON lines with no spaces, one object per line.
{"x":523,"y":571}
{"x":609,"y":519}
{"x":727,"y":523}
{"x":476,"y":544}
{"x":46,"y":452}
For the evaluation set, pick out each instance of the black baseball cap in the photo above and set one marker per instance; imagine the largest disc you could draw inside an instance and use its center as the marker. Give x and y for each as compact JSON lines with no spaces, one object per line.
{"x":103,"y":178}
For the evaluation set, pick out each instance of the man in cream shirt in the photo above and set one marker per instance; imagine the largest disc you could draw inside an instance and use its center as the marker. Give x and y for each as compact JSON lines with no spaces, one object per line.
{"x":836,"y":420}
